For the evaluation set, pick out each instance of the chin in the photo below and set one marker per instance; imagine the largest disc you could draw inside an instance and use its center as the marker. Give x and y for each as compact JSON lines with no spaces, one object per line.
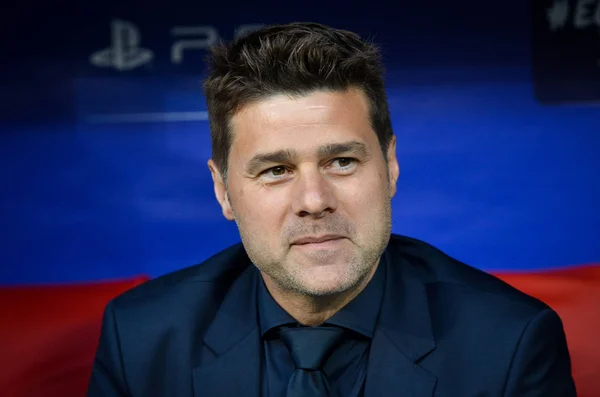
{"x":325,"y":282}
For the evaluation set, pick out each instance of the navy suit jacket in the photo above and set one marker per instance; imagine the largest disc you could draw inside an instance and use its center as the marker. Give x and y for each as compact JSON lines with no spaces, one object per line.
{"x":445,"y":329}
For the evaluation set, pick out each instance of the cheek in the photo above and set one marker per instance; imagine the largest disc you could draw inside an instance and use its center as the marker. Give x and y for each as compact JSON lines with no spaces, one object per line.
{"x":260,"y":209}
{"x":366,"y":191}
{"x":365,"y":201}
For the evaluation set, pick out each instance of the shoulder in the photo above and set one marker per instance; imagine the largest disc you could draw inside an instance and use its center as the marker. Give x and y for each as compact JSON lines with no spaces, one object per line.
{"x":210,"y":277}
{"x":449,"y":278}
{"x":478,"y":318}
{"x":467,"y":304}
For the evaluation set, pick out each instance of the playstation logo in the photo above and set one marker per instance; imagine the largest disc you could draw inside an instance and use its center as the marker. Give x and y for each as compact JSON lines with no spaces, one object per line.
{"x":124,"y":52}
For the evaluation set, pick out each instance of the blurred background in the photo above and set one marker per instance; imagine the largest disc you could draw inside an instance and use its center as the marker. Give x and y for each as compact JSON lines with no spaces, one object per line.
{"x":104,"y":136}
{"x":105,"y":141}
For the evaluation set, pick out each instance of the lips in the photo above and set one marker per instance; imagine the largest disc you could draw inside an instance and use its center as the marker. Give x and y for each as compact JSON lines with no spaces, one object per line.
{"x":316,"y":239}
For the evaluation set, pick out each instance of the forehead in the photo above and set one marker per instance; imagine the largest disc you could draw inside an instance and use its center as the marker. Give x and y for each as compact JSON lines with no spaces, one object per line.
{"x":283,"y":122}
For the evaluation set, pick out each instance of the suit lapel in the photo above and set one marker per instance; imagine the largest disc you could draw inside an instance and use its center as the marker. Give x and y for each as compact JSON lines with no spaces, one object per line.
{"x":404,"y":335}
{"x":233,"y":345}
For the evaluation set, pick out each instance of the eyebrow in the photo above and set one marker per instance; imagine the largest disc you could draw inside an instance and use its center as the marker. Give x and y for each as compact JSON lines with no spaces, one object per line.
{"x":335,"y":149}
{"x":262,"y":159}
{"x":285,"y":156}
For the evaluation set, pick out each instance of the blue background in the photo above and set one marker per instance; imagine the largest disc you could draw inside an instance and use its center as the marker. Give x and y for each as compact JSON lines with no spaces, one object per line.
{"x":490,"y":173}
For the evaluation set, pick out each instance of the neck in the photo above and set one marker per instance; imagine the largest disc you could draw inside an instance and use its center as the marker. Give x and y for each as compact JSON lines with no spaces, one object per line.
{"x":314,"y":310}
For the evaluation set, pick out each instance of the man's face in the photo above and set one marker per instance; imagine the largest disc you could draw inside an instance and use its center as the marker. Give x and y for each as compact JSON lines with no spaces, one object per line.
{"x":309,"y":189}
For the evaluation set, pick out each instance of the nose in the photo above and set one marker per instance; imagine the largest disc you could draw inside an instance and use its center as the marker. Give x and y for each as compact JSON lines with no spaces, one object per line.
{"x":314,"y":195}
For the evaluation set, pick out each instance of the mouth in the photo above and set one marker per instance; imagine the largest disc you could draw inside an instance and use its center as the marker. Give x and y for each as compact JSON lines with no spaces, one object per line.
{"x":318,"y":240}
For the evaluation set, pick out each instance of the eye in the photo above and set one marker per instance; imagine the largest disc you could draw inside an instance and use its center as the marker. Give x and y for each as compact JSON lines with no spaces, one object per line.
{"x":274,"y":172}
{"x":277,"y":171}
{"x":343,"y":163}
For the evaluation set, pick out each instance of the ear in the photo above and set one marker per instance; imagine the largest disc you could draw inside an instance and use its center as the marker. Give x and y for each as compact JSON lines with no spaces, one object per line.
{"x":220,"y":190}
{"x":393,"y":167}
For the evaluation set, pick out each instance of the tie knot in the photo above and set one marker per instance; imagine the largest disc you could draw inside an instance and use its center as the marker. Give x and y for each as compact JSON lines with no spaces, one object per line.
{"x":311,"y":346}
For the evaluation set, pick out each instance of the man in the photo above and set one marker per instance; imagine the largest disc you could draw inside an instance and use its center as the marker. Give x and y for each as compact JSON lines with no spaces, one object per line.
{"x":319,"y":298}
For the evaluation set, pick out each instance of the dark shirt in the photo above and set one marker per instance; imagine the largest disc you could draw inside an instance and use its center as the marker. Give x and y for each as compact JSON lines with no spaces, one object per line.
{"x":346,"y":368}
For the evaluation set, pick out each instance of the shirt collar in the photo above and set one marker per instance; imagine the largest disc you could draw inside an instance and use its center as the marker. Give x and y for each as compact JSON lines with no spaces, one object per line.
{"x":359,"y":315}
{"x":270,"y":314}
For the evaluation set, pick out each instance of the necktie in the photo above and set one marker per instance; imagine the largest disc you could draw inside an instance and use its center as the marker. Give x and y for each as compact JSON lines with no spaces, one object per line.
{"x":310,"y":347}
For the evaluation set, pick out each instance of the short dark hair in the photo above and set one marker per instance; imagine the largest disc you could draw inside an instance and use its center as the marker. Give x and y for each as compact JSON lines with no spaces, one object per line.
{"x":294,"y":59}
